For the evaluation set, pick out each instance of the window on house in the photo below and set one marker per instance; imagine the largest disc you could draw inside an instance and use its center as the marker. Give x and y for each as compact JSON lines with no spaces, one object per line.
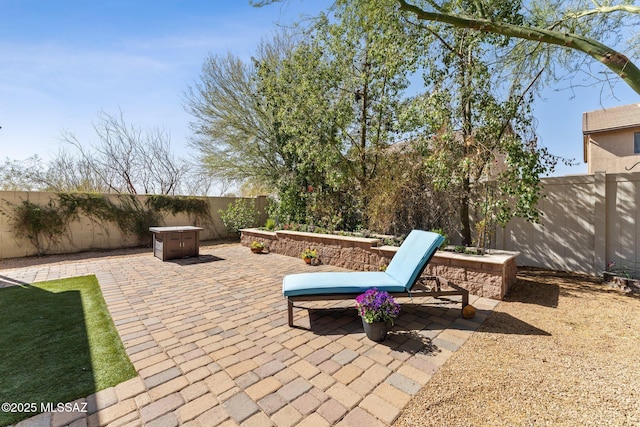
{"x":636,"y":143}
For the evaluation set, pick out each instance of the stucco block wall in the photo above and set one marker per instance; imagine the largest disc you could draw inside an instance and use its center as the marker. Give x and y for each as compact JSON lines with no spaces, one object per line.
{"x":587,"y":221}
{"x":85,"y":234}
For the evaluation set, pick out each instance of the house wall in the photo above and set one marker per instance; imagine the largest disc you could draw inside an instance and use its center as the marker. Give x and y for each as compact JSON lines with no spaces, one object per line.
{"x":612,"y":151}
{"x":587,"y":221}
{"x":85,"y":234}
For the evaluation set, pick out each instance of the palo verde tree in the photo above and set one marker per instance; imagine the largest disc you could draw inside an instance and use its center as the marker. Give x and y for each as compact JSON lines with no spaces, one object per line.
{"x":550,"y":32}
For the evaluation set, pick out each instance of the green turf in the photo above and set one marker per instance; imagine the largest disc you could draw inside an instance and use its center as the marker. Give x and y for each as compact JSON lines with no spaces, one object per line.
{"x":58,"y":343}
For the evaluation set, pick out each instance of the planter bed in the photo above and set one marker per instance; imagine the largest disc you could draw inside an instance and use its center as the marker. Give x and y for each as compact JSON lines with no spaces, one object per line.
{"x":488,"y":275}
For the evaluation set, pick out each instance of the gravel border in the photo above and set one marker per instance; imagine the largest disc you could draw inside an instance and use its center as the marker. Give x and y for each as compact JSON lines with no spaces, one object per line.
{"x":561,"y":350}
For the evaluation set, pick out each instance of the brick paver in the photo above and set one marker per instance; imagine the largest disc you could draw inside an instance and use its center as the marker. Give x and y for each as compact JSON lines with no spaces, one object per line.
{"x":210,"y":342}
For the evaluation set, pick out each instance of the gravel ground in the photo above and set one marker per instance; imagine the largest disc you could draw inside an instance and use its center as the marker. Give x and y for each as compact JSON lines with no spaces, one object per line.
{"x":561,"y":350}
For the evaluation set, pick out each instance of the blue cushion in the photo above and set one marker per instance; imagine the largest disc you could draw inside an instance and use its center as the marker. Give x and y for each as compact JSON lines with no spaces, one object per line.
{"x":402,"y":272}
{"x":412,"y":256}
{"x":338,"y":283}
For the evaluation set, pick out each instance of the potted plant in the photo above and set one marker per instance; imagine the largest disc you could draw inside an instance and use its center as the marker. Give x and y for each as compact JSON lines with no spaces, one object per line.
{"x":256,"y":247}
{"x":308,"y":255}
{"x":377,"y":309}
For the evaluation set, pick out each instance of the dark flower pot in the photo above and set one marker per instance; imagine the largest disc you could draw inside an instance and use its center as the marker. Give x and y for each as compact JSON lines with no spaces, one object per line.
{"x":376,"y":331}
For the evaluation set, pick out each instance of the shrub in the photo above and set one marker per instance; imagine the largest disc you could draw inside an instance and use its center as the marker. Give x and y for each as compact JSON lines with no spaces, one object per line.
{"x":238,"y":216}
{"x":270,"y":224}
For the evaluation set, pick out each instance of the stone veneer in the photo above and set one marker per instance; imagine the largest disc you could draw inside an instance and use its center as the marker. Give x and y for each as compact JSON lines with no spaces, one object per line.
{"x":487,"y":276}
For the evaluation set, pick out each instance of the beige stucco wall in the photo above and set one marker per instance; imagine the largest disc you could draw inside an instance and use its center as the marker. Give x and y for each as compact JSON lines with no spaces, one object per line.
{"x":587,"y":221}
{"x":612,"y":151}
{"x":86,"y":234}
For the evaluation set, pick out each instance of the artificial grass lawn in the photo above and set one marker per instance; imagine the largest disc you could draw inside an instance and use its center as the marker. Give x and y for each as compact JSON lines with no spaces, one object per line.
{"x":58,"y":344}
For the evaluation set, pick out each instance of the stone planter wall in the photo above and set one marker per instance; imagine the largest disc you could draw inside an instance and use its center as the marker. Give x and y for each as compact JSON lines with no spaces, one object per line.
{"x":488,"y":275}
{"x":483,"y":275}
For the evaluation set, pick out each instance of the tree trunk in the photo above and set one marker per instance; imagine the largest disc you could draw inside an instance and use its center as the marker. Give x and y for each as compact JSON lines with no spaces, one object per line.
{"x":467,"y":134}
{"x":464,"y":214}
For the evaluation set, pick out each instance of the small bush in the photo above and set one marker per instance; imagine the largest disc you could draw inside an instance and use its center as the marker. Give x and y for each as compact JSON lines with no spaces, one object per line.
{"x":270,"y":224}
{"x":238,"y":216}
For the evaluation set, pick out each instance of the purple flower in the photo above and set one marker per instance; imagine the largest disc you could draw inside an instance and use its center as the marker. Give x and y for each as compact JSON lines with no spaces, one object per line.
{"x":377,"y":306}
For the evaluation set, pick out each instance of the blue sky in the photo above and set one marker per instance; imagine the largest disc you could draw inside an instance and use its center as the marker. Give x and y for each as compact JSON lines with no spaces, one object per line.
{"x":65,"y":61}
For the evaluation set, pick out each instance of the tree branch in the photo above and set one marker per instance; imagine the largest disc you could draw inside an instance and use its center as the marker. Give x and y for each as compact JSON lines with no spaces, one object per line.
{"x":615,"y":61}
{"x":606,"y":9}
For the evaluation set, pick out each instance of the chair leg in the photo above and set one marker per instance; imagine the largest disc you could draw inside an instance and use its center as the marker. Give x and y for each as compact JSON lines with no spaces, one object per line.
{"x":290,"y":312}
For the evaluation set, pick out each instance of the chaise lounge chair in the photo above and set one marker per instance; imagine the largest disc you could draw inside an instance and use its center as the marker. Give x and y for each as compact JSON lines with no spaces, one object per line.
{"x":399,"y":279}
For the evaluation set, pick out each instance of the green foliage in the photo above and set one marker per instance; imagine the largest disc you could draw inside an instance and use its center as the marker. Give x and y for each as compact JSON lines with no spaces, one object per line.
{"x":131,"y":217}
{"x":44,"y":226}
{"x":305,"y":228}
{"x":39,"y":224}
{"x":196,"y":208}
{"x":520,"y":182}
{"x":480,"y":129}
{"x":290,"y":206}
{"x":548,"y":39}
{"x":328,"y":104}
{"x":270,"y":224}
{"x":393,"y":241}
{"x":95,"y":206}
{"x":239,"y":215}
{"x":313,"y":113}
{"x":236,"y":133}
{"x":179,"y":204}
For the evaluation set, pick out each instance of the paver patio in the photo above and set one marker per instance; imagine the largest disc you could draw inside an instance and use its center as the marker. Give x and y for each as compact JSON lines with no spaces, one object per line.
{"x":209,"y":339}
